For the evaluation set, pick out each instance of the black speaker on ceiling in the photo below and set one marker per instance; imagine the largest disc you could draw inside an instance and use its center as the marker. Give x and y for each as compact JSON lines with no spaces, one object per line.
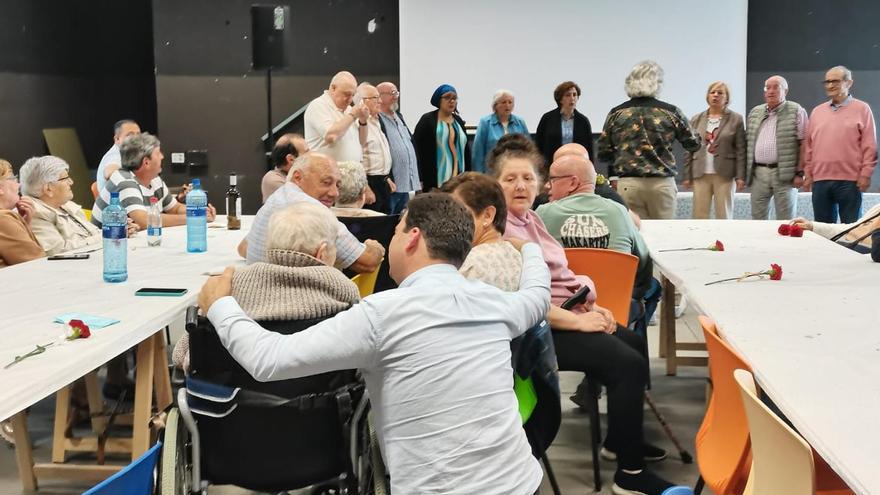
{"x":270,"y":28}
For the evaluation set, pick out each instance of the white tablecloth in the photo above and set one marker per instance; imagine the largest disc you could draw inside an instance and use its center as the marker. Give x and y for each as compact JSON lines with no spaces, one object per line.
{"x":34,"y":293}
{"x":813,"y":337}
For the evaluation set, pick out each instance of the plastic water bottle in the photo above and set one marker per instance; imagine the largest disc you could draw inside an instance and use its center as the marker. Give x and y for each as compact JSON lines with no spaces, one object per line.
{"x":154,"y":223}
{"x":196,"y":219}
{"x":115,"y":241}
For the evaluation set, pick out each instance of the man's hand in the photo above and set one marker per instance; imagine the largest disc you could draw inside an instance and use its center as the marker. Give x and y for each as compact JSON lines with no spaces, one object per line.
{"x":686,"y":184}
{"x":802,"y":223}
{"x":374,"y":246}
{"x":611,"y":323}
{"x":215,"y":287}
{"x":740,"y":185}
{"x":131,"y":228}
{"x":184,"y":190}
{"x":806,"y":183}
{"x":211,"y":212}
{"x":864,"y":183}
{"x":369,"y":196}
{"x":26,"y":208}
{"x":798,"y":182}
{"x":392,"y":185}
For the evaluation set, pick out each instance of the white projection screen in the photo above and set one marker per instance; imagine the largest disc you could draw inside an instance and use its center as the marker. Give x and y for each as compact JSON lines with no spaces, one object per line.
{"x":529,"y":47}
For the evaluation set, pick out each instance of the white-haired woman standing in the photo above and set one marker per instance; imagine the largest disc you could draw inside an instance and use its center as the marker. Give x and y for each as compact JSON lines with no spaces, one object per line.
{"x":58,"y":223}
{"x":499,"y":123}
{"x":637,"y":139}
{"x":352,"y":192}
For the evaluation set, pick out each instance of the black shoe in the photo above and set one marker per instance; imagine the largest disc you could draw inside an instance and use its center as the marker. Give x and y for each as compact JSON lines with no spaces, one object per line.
{"x":113,"y":391}
{"x":652,"y":453}
{"x":582,"y":396}
{"x":644,"y":483}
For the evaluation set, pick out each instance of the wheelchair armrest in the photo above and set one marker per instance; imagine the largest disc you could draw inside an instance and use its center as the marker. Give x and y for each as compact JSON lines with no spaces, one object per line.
{"x":192,"y":319}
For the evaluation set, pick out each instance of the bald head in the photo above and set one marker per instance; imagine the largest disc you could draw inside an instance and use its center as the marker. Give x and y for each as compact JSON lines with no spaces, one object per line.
{"x":571,"y":174}
{"x":318,"y":176}
{"x":388,"y":96}
{"x":342,"y":89}
{"x":571,"y":149}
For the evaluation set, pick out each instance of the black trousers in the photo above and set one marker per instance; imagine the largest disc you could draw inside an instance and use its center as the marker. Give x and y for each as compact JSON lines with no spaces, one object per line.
{"x":619,"y":362}
{"x":382,"y":190}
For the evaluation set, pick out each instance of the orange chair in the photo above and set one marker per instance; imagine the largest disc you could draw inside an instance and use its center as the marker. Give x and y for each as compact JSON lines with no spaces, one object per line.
{"x":95,"y":191}
{"x":723,"y":449}
{"x":614,"y":274}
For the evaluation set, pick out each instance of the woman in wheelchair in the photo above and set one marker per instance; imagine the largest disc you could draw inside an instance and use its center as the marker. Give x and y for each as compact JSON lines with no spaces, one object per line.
{"x":295,"y":432}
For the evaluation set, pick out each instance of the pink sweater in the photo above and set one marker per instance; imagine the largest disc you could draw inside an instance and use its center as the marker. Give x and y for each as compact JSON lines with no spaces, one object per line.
{"x":841,"y":144}
{"x":563,"y":282}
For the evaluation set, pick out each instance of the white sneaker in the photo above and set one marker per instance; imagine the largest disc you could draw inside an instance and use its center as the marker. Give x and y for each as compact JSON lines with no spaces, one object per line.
{"x":681,"y":307}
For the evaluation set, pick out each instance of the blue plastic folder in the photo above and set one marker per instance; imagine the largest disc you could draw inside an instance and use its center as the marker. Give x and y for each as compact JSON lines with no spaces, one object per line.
{"x":94,"y":322}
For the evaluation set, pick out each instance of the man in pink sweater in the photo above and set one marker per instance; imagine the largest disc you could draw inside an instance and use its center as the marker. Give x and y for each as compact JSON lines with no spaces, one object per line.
{"x":840,"y":151}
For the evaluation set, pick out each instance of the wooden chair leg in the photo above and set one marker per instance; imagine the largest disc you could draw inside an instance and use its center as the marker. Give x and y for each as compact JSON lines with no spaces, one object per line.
{"x":62,"y":412}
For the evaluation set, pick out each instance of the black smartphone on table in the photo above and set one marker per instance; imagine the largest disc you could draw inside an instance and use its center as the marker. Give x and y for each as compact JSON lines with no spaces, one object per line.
{"x":57,"y":257}
{"x":156,"y":291}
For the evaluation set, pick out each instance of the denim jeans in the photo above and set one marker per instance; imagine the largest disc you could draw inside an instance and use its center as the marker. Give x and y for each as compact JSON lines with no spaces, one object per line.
{"x":831,"y":196}
{"x":398,"y":202}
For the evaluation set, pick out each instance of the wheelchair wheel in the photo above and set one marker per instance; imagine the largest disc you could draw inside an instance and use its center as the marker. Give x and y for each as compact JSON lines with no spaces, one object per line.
{"x":175,"y":460}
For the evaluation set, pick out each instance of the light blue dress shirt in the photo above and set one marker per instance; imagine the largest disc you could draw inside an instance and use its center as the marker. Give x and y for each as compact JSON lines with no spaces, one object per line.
{"x":435,"y":354}
{"x":489,"y":131}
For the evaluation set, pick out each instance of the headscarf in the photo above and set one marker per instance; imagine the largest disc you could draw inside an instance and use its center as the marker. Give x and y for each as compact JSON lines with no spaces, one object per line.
{"x":440,"y":91}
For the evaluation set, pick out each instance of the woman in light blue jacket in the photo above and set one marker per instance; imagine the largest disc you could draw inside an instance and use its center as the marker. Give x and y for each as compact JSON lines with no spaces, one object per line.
{"x":500,"y":122}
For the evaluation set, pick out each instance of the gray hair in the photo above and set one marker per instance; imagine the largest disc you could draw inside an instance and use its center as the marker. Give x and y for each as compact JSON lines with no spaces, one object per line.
{"x":782,"y":82}
{"x":645,"y":79}
{"x":359,"y":92}
{"x":135,"y":148}
{"x":847,"y":74}
{"x":39,"y":171}
{"x":303,"y":163}
{"x":353,"y":180}
{"x":302,"y":227}
{"x":501,"y":93}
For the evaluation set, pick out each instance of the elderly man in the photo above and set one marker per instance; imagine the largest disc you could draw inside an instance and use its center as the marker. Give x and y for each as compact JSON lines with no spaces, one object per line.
{"x":637,"y":139}
{"x":774,"y":132}
{"x":287,"y":148}
{"x":840,"y":151}
{"x":377,"y":154}
{"x":602,"y":189}
{"x":435,"y":355}
{"x":404,"y":167}
{"x":332,"y":127}
{"x":138,"y":180}
{"x":578,"y":217}
{"x":314,"y":178}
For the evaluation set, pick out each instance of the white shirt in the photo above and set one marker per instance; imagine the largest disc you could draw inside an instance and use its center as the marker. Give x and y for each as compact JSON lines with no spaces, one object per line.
{"x":320,"y":115}
{"x":111,"y":156}
{"x":435,"y":354}
{"x":377,"y":155}
{"x":712,"y":124}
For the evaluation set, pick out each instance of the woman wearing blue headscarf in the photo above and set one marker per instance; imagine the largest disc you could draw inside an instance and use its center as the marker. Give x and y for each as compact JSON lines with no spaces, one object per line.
{"x":440,"y":141}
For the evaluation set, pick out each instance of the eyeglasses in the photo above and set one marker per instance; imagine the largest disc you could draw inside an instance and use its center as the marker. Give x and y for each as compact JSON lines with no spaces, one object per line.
{"x":371,"y":97}
{"x":392,"y":93}
{"x":449,"y":97}
{"x":832,"y":82}
{"x":12,"y":177}
{"x":65,"y":178}
{"x":552,"y":178}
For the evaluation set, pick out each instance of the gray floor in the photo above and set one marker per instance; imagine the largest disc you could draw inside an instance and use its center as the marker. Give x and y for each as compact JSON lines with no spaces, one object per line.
{"x":681,"y":400}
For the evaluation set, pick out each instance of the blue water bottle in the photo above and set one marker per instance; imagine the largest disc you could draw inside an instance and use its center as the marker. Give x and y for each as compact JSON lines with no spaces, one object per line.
{"x":113,"y":224}
{"x":196,"y":219}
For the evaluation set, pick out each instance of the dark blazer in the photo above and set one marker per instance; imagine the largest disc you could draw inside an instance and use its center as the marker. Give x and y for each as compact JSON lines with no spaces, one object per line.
{"x":548,"y":136}
{"x":730,"y":156}
{"x":875,"y":246}
{"x":425,"y":143}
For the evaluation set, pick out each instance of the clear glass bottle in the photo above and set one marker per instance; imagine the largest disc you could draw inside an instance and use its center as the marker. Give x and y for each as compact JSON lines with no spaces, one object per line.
{"x":233,"y":204}
{"x":154,"y":223}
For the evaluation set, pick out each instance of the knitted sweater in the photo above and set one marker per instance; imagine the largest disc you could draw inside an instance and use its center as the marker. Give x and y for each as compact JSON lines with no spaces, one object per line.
{"x":290,"y":286}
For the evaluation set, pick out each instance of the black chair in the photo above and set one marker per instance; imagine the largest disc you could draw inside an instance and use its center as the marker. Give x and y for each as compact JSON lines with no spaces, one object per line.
{"x":380,"y":229}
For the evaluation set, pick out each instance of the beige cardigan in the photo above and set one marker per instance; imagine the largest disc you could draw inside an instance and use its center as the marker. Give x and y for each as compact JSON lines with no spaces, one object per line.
{"x":730,"y":157}
{"x":63,"y":229}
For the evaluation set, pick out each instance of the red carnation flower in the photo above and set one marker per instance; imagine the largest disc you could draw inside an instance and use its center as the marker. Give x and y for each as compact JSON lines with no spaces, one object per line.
{"x":784,"y":229}
{"x":797,"y":231}
{"x":79,"y":330}
{"x":719,"y":246}
{"x":775,"y":272}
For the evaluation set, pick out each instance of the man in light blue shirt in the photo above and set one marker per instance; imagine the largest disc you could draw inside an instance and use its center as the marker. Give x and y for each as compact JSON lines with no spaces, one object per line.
{"x":404,"y":167}
{"x":435,"y":354}
{"x":314,"y":178}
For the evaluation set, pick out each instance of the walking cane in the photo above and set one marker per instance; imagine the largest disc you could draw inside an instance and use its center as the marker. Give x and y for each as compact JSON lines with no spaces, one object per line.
{"x":684,"y":454}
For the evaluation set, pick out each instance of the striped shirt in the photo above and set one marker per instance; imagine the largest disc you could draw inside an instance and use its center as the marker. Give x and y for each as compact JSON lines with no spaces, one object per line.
{"x":348,"y":248}
{"x":765,"y":143}
{"x":404,"y":168}
{"x":451,"y":142}
{"x":133,"y":196}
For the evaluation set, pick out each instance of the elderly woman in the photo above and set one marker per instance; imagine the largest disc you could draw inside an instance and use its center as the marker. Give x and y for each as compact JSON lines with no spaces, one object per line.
{"x":586,"y":338}
{"x":352,"y":192}
{"x":564,"y":124}
{"x":17,"y":242}
{"x":440,"y":141}
{"x":297,"y":282}
{"x":861,"y":235}
{"x":499,"y":123}
{"x":637,"y":139}
{"x":721,"y":161}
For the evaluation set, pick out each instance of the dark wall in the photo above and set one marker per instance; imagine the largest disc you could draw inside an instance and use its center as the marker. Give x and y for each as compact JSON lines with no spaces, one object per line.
{"x":801,"y":39}
{"x":209,"y":98}
{"x":79,"y":63}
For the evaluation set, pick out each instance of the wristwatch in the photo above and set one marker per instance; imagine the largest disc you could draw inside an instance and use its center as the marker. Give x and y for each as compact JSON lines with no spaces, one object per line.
{"x":799,"y":173}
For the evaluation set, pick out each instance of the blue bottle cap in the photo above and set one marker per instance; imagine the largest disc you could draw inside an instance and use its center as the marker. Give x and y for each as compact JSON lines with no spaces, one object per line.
{"x":197,"y":184}
{"x":114,"y":194}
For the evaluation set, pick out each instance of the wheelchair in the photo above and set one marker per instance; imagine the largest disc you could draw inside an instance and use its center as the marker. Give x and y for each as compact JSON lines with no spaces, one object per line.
{"x":229,"y":429}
